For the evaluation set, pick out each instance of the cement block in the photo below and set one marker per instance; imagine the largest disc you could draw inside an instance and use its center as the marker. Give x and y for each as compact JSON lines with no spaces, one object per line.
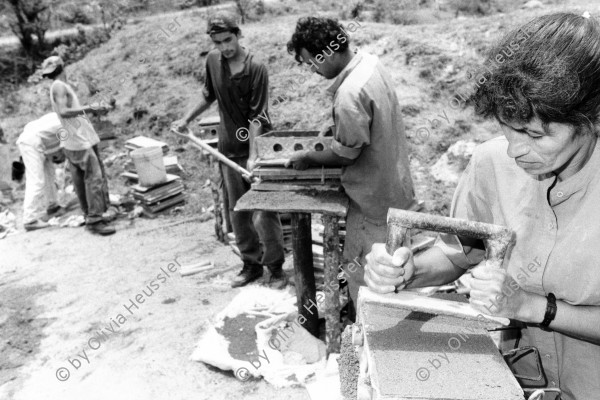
{"x":417,"y":355}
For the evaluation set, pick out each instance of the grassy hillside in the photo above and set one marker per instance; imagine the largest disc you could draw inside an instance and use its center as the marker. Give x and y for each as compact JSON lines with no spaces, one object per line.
{"x":155,"y":81}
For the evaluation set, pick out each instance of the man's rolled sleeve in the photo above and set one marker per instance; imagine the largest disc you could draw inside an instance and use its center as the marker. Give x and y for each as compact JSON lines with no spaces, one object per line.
{"x":259,"y":100}
{"x":352,"y":127}
{"x":208,"y":90}
{"x":344,"y":151}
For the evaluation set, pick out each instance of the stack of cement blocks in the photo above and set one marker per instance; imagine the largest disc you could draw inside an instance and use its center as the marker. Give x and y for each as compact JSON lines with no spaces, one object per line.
{"x":160,"y":197}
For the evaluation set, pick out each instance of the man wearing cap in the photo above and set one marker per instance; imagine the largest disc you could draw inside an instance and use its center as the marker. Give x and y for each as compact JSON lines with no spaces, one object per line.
{"x":80,"y":141}
{"x":240,"y":85}
{"x":368,"y":137}
{"x":39,"y":146}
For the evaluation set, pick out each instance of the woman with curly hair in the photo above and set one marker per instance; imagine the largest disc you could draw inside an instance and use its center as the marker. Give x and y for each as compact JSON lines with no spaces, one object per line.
{"x":542,"y":180}
{"x":368,"y":137}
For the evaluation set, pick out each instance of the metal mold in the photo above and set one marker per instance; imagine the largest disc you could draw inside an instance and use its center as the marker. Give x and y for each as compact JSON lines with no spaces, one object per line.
{"x":279,"y":145}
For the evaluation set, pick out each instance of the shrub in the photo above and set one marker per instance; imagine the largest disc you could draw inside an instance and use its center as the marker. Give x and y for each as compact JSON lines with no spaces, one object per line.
{"x":405,"y":17}
{"x":73,"y":13}
{"x":29,"y":19}
{"x":197,"y":3}
{"x":76,"y":48}
{"x":352,"y":10}
{"x":379,"y":11}
{"x":473,"y":7}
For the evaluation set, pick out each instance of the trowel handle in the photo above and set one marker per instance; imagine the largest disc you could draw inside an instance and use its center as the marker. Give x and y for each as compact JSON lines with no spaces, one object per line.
{"x":397,"y":236}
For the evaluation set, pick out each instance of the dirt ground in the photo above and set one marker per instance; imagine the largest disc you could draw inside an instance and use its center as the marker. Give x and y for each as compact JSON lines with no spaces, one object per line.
{"x":61,"y":293}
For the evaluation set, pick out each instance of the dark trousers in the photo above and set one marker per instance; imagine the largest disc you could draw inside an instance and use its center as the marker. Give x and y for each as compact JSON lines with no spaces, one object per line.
{"x":252,"y":228}
{"x":89,"y":181}
{"x":361,"y":234}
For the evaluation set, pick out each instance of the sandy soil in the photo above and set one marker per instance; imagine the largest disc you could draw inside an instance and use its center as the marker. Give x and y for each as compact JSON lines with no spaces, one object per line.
{"x":61,"y":287}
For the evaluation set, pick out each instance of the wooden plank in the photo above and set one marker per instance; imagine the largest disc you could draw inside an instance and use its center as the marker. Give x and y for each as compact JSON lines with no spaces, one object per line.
{"x":303,"y":273}
{"x":279,"y":162}
{"x":331,"y":249}
{"x":299,"y":174}
{"x":143,"y":189}
{"x":322,"y":202}
{"x":287,"y":186}
{"x":187,"y":270}
{"x":408,"y":300}
{"x":165,"y":204}
{"x":160,"y":193}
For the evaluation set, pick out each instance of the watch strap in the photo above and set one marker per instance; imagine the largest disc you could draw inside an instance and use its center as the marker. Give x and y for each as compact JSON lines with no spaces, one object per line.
{"x":550,"y":312}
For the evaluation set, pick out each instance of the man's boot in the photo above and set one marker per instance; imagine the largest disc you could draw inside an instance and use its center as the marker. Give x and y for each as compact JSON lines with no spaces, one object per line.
{"x":55,"y":210}
{"x":35,"y":225}
{"x":278,"y":278}
{"x":249,"y":273}
{"x":100,"y":228}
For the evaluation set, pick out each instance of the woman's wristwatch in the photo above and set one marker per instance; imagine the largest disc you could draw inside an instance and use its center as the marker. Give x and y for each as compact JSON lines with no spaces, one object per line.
{"x":550,"y":312}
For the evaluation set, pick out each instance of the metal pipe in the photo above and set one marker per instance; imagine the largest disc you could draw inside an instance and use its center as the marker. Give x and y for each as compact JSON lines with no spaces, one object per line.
{"x":496,"y":238}
{"x":219,"y":156}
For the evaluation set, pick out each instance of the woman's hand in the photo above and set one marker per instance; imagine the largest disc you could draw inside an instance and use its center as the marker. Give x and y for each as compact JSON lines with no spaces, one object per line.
{"x":385,"y":273}
{"x":494,"y":292}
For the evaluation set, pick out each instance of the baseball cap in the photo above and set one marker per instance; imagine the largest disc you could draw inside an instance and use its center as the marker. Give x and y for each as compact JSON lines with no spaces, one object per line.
{"x":221,"y":22}
{"x":50,"y":64}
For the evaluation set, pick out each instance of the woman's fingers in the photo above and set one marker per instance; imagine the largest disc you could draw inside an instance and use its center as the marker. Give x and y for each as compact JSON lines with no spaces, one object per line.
{"x":401,"y":256}
{"x":386,"y":271}
{"x":485,"y":272}
{"x":384,"y":264}
{"x":380,"y":255}
{"x":383,"y":272}
{"x":384,"y":280}
{"x":377,"y":287}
